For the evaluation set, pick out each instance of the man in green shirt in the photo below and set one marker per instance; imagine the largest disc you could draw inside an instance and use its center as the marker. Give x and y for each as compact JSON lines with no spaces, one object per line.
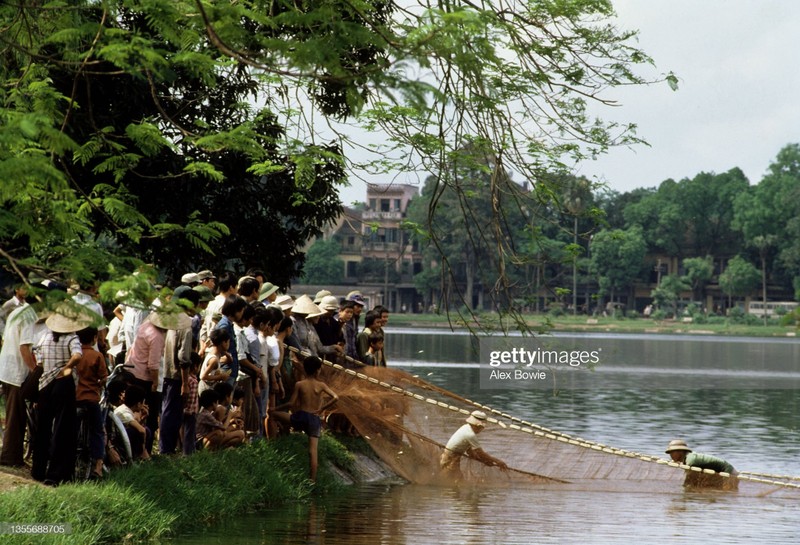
{"x":680,"y":452}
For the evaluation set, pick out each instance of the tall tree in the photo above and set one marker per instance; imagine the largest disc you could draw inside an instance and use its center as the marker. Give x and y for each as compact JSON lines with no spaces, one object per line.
{"x":617,"y":258}
{"x":699,"y":271}
{"x":216,"y":105}
{"x":739,"y":278}
{"x":323,"y":265}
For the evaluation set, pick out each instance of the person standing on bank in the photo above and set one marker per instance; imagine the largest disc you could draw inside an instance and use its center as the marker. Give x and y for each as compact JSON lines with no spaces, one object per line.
{"x":18,"y":372}
{"x":56,"y":439}
{"x":464,"y":442}
{"x":178,"y":349}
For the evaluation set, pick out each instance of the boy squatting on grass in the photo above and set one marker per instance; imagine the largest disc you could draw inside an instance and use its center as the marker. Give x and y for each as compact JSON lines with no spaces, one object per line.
{"x":307,"y":404}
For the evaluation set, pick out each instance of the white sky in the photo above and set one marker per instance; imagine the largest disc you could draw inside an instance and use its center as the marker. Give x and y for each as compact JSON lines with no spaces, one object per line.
{"x":738,"y":64}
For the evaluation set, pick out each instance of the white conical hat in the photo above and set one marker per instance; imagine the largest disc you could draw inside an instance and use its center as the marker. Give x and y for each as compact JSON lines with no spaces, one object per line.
{"x":69,"y":318}
{"x":170,"y":320}
{"x":304,"y":305}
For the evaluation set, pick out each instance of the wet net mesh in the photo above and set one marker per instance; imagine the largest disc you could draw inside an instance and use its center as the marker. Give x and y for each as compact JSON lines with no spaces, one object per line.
{"x":407,"y":422}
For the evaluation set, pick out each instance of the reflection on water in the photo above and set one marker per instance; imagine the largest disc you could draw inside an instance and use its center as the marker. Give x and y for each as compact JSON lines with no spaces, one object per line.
{"x":413,"y":515}
{"x":756,"y":430}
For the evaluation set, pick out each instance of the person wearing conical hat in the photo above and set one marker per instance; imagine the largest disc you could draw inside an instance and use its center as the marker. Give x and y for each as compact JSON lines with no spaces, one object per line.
{"x":680,"y":452}
{"x":304,"y":331}
{"x":59,"y":351}
{"x":464,"y":442}
{"x":145,"y":355}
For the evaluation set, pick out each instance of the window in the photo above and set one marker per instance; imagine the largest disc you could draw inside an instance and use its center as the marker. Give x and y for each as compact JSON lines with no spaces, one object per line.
{"x":372,"y":204}
{"x":352,"y":269}
{"x":397,"y":205}
{"x":385,"y":205}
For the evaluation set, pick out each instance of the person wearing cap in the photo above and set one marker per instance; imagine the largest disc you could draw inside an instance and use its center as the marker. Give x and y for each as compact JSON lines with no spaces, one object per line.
{"x":328,"y":326}
{"x":227,"y":286}
{"x":464,"y":442}
{"x":190,"y":279}
{"x":321,"y":294}
{"x":268,"y":293}
{"x":145,"y":355}
{"x":55,"y":445}
{"x":206,"y":296}
{"x":178,"y":346}
{"x":351,"y":327}
{"x":207,"y":279}
{"x":680,"y":452}
{"x":285,"y":303}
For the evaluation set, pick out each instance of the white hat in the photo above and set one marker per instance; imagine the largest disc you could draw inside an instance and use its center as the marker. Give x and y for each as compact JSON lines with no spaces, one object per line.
{"x":477,"y":418}
{"x":69,"y":318}
{"x":190,"y":278}
{"x":320,"y":294}
{"x":677,"y":444}
{"x":170,"y":320}
{"x":285,"y":302}
{"x":304,"y":305}
{"x":329,"y":302}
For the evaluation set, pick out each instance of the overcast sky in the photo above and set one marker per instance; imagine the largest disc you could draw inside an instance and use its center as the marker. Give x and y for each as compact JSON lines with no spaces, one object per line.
{"x":737,"y":102}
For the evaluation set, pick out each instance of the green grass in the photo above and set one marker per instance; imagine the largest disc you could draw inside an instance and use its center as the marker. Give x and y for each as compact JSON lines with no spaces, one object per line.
{"x":171,"y":494}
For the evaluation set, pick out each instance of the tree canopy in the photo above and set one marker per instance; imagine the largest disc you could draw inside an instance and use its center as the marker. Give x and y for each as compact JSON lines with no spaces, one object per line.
{"x":182,"y":132}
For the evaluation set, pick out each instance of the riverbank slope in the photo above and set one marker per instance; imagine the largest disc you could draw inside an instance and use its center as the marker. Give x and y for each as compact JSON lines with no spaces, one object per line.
{"x":170,"y":495}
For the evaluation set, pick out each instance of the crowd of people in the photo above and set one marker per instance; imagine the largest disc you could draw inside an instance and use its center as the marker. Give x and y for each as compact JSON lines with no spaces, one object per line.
{"x":217,"y":369}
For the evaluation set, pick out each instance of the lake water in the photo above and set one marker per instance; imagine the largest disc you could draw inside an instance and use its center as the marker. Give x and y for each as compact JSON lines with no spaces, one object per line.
{"x":741,"y":405}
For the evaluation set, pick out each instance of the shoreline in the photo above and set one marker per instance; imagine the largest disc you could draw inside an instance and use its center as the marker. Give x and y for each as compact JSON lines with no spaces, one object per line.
{"x":589,"y":324}
{"x":169,"y":495}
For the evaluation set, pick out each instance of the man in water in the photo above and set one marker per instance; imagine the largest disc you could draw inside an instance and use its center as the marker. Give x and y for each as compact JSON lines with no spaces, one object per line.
{"x":465,"y":442}
{"x":680,"y":452}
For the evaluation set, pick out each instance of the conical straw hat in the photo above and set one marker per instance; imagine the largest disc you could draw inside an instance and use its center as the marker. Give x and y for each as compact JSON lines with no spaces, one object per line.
{"x":170,"y":320}
{"x":69,"y":318}
{"x":304,"y":305}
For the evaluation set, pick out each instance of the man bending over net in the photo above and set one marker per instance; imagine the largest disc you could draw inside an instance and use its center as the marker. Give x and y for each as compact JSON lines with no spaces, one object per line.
{"x":465,"y":442}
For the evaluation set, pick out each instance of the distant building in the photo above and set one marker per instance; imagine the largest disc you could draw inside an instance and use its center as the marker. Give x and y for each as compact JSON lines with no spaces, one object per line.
{"x":379,"y":256}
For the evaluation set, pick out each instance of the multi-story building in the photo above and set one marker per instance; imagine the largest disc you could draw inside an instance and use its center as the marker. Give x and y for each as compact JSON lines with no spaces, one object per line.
{"x":379,"y":257}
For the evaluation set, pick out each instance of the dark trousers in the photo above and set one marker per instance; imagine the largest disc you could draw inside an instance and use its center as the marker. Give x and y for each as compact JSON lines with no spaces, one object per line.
{"x":13,"y":453}
{"x":171,"y":416}
{"x":97,"y":436}
{"x":189,"y":433}
{"x":154,"y":406}
{"x":56,"y":432}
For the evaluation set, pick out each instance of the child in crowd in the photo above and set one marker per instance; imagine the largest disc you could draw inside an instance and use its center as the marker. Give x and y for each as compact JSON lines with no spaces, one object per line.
{"x":210,"y":430}
{"x":211,"y":371}
{"x":191,"y":406}
{"x":92,"y":374}
{"x":133,"y":412}
{"x":307,"y":404}
{"x":374,"y":355}
{"x":237,"y":412}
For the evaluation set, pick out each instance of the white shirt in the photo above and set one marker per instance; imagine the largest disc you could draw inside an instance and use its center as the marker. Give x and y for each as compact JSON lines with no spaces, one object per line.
{"x":19,"y":330}
{"x":462,"y":440}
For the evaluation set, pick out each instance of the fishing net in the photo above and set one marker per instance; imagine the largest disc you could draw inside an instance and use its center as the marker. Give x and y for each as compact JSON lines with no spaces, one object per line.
{"x":407,"y":422}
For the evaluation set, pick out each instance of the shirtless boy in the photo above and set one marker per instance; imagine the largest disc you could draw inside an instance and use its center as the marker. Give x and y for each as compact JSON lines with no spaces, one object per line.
{"x":307,"y":404}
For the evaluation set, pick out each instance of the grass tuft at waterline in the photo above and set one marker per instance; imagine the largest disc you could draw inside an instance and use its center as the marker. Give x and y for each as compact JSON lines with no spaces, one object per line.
{"x":170,"y":495}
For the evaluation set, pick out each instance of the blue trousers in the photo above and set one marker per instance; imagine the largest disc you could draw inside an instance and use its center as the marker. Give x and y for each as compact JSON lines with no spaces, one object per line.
{"x":171,"y":416}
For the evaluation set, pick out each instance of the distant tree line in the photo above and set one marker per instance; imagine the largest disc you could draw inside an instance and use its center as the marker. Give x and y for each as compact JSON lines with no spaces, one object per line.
{"x":580,"y":241}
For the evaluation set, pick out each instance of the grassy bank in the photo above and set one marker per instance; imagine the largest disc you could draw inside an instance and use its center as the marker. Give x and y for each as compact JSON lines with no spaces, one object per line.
{"x":171,"y":494}
{"x":582,"y":323}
